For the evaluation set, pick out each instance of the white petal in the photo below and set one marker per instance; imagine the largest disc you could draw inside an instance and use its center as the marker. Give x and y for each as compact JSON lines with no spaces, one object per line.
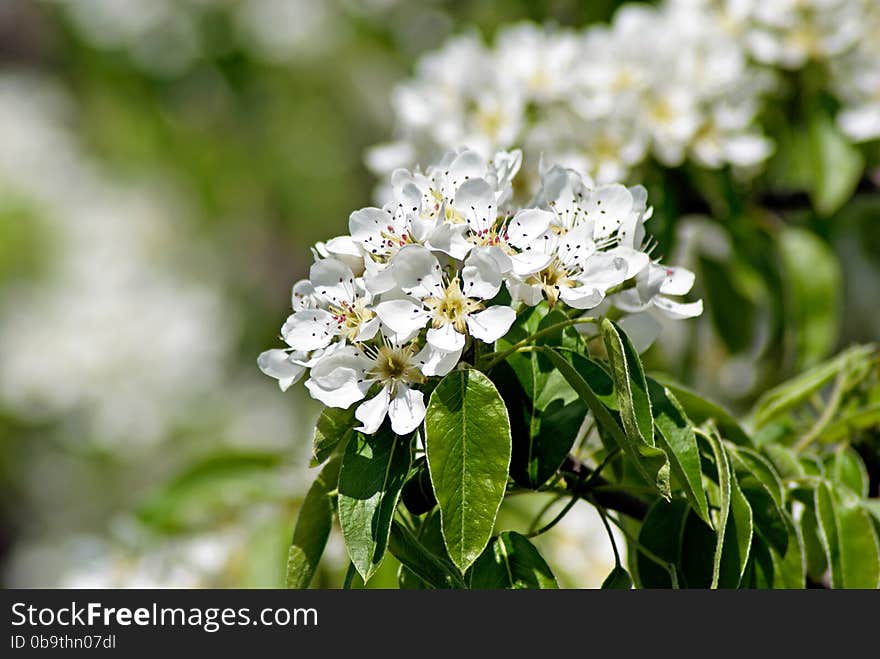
{"x":636,"y":260}
{"x":480,"y":276}
{"x":369,"y":329}
{"x":525,"y":293}
{"x":678,"y":310}
{"x":407,"y":410}
{"x":576,"y":248}
{"x":445,"y":338}
{"x":348,"y":251}
{"x":276,"y":364}
{"x":602,"y":271}
{"x":301,"y":296}
{"x":402,"y":316}
{"x":417,"y":271}
{"x":608,"y":206}
{"x":678,"y":281}
{"x":366,"y":226}
{"x":642,"y":329}
{"x":436,"y":362}
{"x":466,"y":165}
{"x":581,"y":297}
{"x":337,"y":380}
{"x":309,"y":329}
{"x":527,"y":263}
{"x":449,"y":239}
{"x":372,"y":413}
{"x":527,"y":226}
{"x":378,"y":277}
{"x":491,"y":324}
{"x":333,"y":281}
{"x":475,"y":199}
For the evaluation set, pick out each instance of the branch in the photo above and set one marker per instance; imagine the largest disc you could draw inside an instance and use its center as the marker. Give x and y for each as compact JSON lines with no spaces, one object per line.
{"x":577,"y":472}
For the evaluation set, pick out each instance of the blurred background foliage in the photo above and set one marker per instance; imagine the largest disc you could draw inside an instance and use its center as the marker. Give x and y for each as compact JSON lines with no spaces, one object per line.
{"x":164,"y":167}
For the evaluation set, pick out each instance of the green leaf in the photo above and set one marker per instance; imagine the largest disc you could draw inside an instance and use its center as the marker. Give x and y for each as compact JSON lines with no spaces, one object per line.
{"x":849,"y":470}
{"x":650,"y":461}
{"x":313,"y":526}
{"x":407,"y":549}
{"x":511,"y":561}
{"x":334,"y":426}
{"x":828,"y":533}
{"x":544,"y":430}
{"x":699,"y":411}
{"x":813,"y":285}
{"x":837,"y":165}
{"x":618,"y":579}
{"x":850,"y":422}
{"x":660,"y":534}
{"x":859,"y":544}
{"x":468,"y":446}
{"x":734,"y":524}
{"x":795,"y":391}
{"x":763,"y":491}
{"x":676,"y":437}
{"x":789,"y":571}
{"x":373,"y":471}
{"x":630,"y":384}
{"x":430,"y":536}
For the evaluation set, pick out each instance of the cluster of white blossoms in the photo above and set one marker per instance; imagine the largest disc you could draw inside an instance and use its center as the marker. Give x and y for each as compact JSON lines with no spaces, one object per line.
{"x":683,"y":80}
{"x":416,"y":282}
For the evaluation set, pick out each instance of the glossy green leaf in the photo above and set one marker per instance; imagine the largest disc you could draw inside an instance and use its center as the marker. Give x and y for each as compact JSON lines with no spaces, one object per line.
{"x":734,"y":523}
{"x":422,"y":562}
{"x":430,"y":536}
{"x":789,"y":570}
{"x":334,"y":427}
{"x":374,"y":468}
{"x":511,"y":561}
{"x":313,"y":526}
{"x":468,"y":446}
{"x":858,"y":544}
{"x":660,"y":534}
{"x":849,"y":423}
{"x":812,"y":293}
{"x":618,"y":579}
{"x":828,"y":532}
{"x":676,"y":437}
{"x":630,"y":384}
{"x":700,"y":410}
{"x":848,"y":469}
{"x":651,"y":462}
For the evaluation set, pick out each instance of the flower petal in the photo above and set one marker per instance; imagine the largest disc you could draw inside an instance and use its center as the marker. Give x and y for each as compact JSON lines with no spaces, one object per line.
{"x":276,"y":364}
{"x":366,"y":225}
{"x":607,"y":207}
{"x":678,"y":310}
{"x":333,"y":281}
{"x":491,"y":324}
{"x":436,"y":362}
{"x":449,"y":239}
{"x":678,"y":281}
{"x":372,"y":413}
{"x":417,"y":271}
{"x":445,"y":338}
{"x":402,"y":316}
{"x":475,"y":200}
{"x":527,"y":226}
{"x":407,"y":410}
{"x":309,"y":329}
{"x":337,"y":380}
{"x":480,"y":276}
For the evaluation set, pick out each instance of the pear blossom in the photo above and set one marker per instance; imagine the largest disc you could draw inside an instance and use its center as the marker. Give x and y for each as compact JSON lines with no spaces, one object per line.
{"x":436,"y":260}
{"x":347,"y":375}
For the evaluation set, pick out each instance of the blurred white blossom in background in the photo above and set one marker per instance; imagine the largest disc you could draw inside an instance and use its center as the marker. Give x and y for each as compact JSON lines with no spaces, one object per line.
{"x":685,"y":80}
{"x":167,"y":37}
{"x":116,"y":332}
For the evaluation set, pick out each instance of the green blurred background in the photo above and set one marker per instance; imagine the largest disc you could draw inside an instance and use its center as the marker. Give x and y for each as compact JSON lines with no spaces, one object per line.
{"x":164,"y":167}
